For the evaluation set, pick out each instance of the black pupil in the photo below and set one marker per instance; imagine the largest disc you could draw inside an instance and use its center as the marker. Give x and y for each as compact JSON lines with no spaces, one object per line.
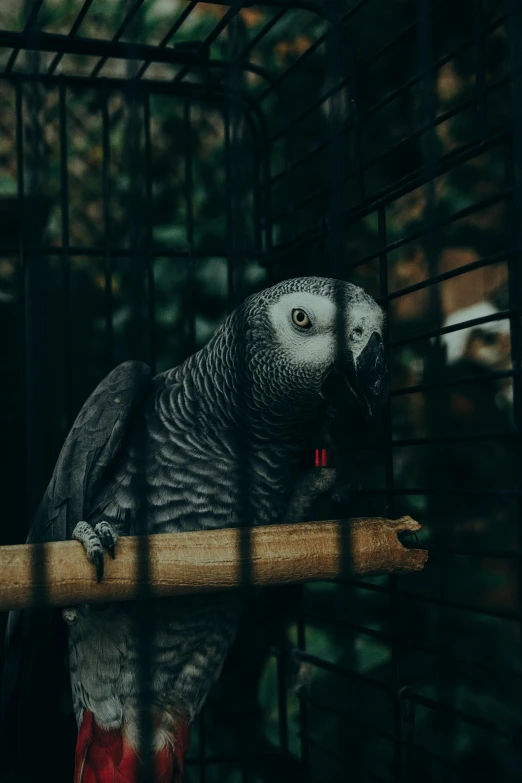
{"x":300,"y":316}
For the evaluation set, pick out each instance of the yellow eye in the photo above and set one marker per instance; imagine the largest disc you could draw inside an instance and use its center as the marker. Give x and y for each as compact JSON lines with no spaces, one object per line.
{"x":300,"y":318}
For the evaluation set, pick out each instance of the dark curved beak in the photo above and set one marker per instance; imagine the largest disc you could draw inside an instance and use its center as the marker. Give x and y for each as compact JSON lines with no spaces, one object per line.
{"x":372,"y":374}
{"x":366,"y":377}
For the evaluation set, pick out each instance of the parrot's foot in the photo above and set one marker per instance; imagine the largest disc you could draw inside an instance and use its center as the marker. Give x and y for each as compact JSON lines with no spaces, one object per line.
{"x":94,"y":541}
{"x":310,"y":485}
{"x":70,"y":615}
{"x":107,"y":536}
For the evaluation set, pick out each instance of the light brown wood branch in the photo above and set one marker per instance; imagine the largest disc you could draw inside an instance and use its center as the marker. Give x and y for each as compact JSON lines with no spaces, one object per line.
{"x":60,"y":575}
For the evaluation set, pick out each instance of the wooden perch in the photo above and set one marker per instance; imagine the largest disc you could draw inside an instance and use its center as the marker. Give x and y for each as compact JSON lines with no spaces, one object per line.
{"x":60,"y":575}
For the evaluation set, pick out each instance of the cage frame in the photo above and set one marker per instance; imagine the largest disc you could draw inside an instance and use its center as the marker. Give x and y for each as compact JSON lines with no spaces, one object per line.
{"x":329,"y":228}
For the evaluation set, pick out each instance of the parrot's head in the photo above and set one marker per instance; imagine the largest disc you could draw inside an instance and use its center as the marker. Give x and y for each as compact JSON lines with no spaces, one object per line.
{"x":311,"y":339}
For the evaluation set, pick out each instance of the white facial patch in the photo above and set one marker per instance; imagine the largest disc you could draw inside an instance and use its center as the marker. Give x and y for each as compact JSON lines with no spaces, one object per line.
{"x":317,"y":345}
{"x":314,"y":346}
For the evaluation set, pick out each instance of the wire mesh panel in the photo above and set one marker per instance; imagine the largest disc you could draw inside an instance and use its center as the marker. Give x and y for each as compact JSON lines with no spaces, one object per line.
{"x":160,"y":161}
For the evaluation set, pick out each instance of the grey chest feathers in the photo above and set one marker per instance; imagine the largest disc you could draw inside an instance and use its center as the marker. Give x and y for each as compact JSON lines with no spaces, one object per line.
{"x":190,"y":472}
{"x":175,"y":475}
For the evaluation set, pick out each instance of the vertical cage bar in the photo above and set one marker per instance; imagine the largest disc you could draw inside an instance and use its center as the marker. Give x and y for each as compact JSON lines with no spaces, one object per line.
{"x":266,"y":221}
{"x":256,"y":201}
{"x":357,"y":130}
{"x":233,"y":137}
{"x":515,"y":173}
{"x":66,"y":261}
{"x":288,"y":139}
{"x":281,"y":640}
{"x":480,"y":75}
{"x":189,"y":211}
{"x":149,"y":237}
{"x":281,"y":662}
{"x":333,"y":72}
{"x":202,"y":760}
{"x":36,"y":270}
{"x":106,"y":186}
{"x":231,"y":112}
{"x":231,"y":241}
{"x":22,"y":287}
{"x":436,"y":367}
{"x":35,"y":278}
{"x":302,"y":694}
{"x":337,"y":40}
{"x":394,"y":600}
{"x":144,"y":629}
{"x":514,"y":178}
{"x":265,"y":200}
{"x":135,"y":278}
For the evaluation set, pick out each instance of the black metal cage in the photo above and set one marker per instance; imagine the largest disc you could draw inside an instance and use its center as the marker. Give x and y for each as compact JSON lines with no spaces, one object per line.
{"x":159,"y":161}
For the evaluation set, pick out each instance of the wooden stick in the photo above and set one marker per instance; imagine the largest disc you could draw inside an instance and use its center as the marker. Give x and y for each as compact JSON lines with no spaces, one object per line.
{"x":59,"y":574}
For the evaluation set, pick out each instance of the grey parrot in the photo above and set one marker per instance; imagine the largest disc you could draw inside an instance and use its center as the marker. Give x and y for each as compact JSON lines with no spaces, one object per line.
{"x":214,"y":442}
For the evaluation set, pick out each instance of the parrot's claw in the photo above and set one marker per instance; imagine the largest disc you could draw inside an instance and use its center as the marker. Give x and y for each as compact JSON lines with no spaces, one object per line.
{"x":94,"y":540}
{"x":107,"y":536}
{"x":70,"y":614}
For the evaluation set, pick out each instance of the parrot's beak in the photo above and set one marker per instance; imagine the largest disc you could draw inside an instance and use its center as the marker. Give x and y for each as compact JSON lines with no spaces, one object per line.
{"x":371,"y":373}
{"x":365,"y":376}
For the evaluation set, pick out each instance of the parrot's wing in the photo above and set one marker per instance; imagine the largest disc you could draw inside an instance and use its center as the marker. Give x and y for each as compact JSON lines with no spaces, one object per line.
{"x":91,"y":446}
{"x":34,"y":664}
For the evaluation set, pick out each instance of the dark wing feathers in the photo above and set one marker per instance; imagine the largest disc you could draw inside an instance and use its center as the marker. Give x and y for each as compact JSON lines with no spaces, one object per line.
{"x":91,"y":446}
{"x":33,"y":665}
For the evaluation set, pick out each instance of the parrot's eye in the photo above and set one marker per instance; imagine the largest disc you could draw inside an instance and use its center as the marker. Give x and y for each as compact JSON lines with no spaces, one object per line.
{"x":300,"y":318}
{"x":357,"y":333}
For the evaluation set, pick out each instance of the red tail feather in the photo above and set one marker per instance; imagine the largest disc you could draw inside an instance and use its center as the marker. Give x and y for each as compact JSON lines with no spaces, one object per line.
{"x":106,"y":756}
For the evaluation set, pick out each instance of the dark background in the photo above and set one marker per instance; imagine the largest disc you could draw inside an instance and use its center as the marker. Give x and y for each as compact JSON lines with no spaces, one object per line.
{"x":140,"y":199}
